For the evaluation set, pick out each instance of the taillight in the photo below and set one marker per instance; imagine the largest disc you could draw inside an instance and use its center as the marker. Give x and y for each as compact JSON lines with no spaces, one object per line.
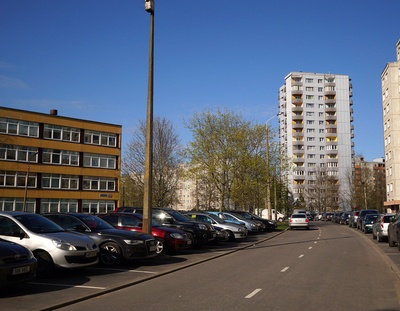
{"x":290,"y":219}
{"x":306,"y":219}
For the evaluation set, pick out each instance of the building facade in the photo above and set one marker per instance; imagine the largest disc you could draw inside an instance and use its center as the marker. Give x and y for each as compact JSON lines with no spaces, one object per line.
{"x":390,"y":79}
{"x":316,"y":132}
{"x":51,"y":163}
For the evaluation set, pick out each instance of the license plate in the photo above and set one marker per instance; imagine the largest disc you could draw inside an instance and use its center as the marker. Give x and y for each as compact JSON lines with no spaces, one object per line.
{"x":21,"y":270}
{"x":189,"y":242}
{"x":90,"y":254}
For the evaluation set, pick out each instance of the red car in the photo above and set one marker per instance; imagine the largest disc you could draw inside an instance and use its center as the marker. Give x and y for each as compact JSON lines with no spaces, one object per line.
{"x":169,"y":240}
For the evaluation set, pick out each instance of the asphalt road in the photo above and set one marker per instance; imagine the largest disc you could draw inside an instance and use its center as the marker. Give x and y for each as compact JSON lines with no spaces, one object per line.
{"x":328,"y":267}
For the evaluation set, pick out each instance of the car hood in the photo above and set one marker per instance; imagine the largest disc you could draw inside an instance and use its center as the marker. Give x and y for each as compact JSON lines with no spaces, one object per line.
{"x":74,"y":238}
{"x":10,"y":249}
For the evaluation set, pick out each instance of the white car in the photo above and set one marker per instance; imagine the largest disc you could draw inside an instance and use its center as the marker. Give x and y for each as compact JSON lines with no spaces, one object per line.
{"x":299,"y":220}
{"x":380,"y":227}
{"x":50,"y":244}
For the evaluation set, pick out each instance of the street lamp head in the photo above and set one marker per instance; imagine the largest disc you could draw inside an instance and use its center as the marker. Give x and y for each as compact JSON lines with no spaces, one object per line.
{"x":149,"y":6}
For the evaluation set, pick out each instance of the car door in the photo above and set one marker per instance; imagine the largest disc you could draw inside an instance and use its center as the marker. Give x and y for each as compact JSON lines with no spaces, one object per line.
{"x":11,"y":231}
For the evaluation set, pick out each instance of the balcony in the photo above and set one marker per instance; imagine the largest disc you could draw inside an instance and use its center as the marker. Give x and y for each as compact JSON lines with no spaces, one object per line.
{"x":297,"y":100}
{"x":329,"y":92}
{"x":297,"y":108}
{"x":330,"y":109}
{"x":297,"y":125}
{"x":296,"y":116}
{"x":298,"y":134}
{"x":330,"y":101}
{"x":330,"y":118}
{"x":297,"y":91}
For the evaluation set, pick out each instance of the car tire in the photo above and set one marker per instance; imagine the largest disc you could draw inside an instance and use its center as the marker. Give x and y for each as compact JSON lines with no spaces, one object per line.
{"x":45,"y":264}
{"x":374,"y":236}
{"x":231,"y":237}
{"x":110,"y":254}
{"x":160,"y":246}
{"x":191,"y":237}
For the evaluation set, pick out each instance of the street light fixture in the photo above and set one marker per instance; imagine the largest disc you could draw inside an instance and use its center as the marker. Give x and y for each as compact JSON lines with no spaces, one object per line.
{"x":268,"y":194}
{"x":148,"y":169}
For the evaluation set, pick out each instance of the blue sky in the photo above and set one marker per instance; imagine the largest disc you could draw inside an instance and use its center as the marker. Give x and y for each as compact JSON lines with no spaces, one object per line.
{"x":88,"y":58}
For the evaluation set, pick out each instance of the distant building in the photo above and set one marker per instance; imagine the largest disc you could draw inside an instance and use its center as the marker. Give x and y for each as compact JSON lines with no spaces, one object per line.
{"x":316,"y":130}
{"x":390,"y":79}
{"x":50,"y":163}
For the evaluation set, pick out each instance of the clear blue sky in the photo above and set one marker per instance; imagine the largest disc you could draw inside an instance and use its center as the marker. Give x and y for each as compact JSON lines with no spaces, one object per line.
{"x":88,"y":58}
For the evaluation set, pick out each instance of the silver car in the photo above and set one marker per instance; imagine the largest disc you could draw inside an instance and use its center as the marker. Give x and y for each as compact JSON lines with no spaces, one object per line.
{"x":236,"y":219}
{"x":51,"y":245}
{"x":235,"y":231}
{"x":380,"y":227}
{"x":299,"y":220}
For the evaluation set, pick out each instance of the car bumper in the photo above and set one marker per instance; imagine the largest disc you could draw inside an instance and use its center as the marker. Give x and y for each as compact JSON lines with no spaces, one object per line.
{"x":178,"y":244}
{"x":145,"y":250}
{"x":18,"y":272}
{"x":76,"y":259}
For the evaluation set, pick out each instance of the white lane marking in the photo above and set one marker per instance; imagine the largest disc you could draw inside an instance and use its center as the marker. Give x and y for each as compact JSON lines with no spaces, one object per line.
{"x":254,"y":292}
{"x":315,"y":242}
{"x":68,"y":285}
{"x":310,"y":247}
{"x":301,"y":256}
{"x":124,"y":270}
{"x":284,"y":269}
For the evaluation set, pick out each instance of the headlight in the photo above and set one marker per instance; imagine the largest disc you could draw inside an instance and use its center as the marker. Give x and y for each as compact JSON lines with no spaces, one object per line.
{"x":241,"y":229}
{"x":64,"y":245}
{"x":252,"y":225}
{"x":134,"y":242}
{"x":202,"y":227}
{"x":176,"y":236}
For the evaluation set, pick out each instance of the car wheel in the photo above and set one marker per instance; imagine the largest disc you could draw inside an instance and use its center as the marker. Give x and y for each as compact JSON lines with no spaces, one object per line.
{"x":231,"y":237}
{"x":110,"y":254}
{"x":191,"y":237}
{"x":160,"y":246}
{"x":45,"y":264}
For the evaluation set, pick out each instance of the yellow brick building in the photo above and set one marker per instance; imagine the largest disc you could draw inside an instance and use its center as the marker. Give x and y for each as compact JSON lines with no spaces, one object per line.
{"x":51,"y":163}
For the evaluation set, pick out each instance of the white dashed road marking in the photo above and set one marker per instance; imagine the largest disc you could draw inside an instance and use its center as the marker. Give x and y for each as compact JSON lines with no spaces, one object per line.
{"x":254,"y":292}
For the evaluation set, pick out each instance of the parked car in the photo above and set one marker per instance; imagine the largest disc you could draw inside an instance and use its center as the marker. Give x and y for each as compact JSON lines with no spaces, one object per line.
{"x":52,"y":246}
{"x":327,"y":216}
{"x":169,"y":240}
{"x":269,"y":225}
{"x":394,"y":231}
{"x":344,"y":218}
{"x":200,"y":233}
{"x":362,"y":214}
{"x":234,"y":231}
{"x":380,"y":227}
{"x":17,"y":263}
{"x":367,"y":222}
{"x":237,"y":219}
{"x":353,"y":219}
{"x":299,"y":220}
{"x":114,"y":244}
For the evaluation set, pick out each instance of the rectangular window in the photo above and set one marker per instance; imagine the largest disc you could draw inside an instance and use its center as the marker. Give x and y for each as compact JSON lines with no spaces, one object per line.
{"x":17,"y":127}
{"x":100,"y":138}
{"x":63,"y":133}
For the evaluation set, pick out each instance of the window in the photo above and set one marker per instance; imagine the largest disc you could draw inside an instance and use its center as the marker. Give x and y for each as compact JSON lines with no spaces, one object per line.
{"x":63,"y":133}
{"x":55,"y":181}
{"x":17,"y":179}
{"x":310,"y":114}
{"x":98,"y":160}
{"x":309,"y":96}
{"x":100,"y":138}
{"x":61,"y":157}
{"x":310,"y":122}
{"x":18,"y":153}
{"x":309,"y":80}
{"x":309,"y":88}
{"x":310,"y":131}
{"x":58,"y":205}
{"x":309,"y":105}
{"x":97,"y":207}
{"x":98,"y":183}
{"x":319,"y":80}
{"x":17,"y":127}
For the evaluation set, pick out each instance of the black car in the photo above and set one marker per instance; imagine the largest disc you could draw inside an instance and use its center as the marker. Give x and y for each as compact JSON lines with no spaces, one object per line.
{"x":367,"y":222}
{"x":114,"y":244}
{"x":270,"y":225}
{"x":17,"y":263}
{"x":200,"y":233}
{"x":394,"y":231}
{"x":362,"y":214}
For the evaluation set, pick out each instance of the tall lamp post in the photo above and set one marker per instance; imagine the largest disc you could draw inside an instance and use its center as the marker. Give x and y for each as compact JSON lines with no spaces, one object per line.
{"x":268,"y":194}
{"x":148,"y":169}
{"x":27,"y":178}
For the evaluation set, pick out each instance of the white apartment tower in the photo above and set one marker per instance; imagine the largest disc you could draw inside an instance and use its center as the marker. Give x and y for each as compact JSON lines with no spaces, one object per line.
{"x":315,"y":116}
{"x":390,"y":78}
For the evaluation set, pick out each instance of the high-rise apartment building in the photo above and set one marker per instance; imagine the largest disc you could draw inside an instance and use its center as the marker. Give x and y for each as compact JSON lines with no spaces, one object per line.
{"x":315,"y":116}
{"x":390,"y":79}
{"x":51,"y":163}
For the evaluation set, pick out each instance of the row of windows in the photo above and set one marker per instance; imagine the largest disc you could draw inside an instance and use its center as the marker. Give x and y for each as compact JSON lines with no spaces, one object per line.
{"x":56,"y":132}
{"x":56,"y":205}
{"x":59,"y":157}
{"x":55,"y":181}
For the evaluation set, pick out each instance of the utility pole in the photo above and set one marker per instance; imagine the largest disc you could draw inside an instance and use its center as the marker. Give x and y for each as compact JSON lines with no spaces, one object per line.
{"x":148,"y":169}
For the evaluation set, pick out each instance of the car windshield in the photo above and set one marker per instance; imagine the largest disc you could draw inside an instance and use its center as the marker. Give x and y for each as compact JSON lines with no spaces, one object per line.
{"x":95,"y":223}
{"x":216,"y":219}
{"x":238,"y":216}
{"x":387,"y":219}
{"x":299,"y":216}
{"x":178,"y":216}
{"x":154,"y":222}
{"x":371,"y":217}
{"x":38,"y":224}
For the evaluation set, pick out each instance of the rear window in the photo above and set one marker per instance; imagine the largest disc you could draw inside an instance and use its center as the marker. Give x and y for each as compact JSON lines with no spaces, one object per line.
{"x":299,"y":216}
{"x":386,"y":219}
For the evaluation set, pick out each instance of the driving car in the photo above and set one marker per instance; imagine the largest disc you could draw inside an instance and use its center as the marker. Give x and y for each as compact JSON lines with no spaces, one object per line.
{"x":367,"y":222}
{"x":234,"y":231}
{"x":200,"y":233}
{"x":17,"y":263}
{"x":114,"y":244}
{"x":52,"y":246}
{"x":169,"y":240}
{"x":299,"y":220}
{"x":380,"y":227}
